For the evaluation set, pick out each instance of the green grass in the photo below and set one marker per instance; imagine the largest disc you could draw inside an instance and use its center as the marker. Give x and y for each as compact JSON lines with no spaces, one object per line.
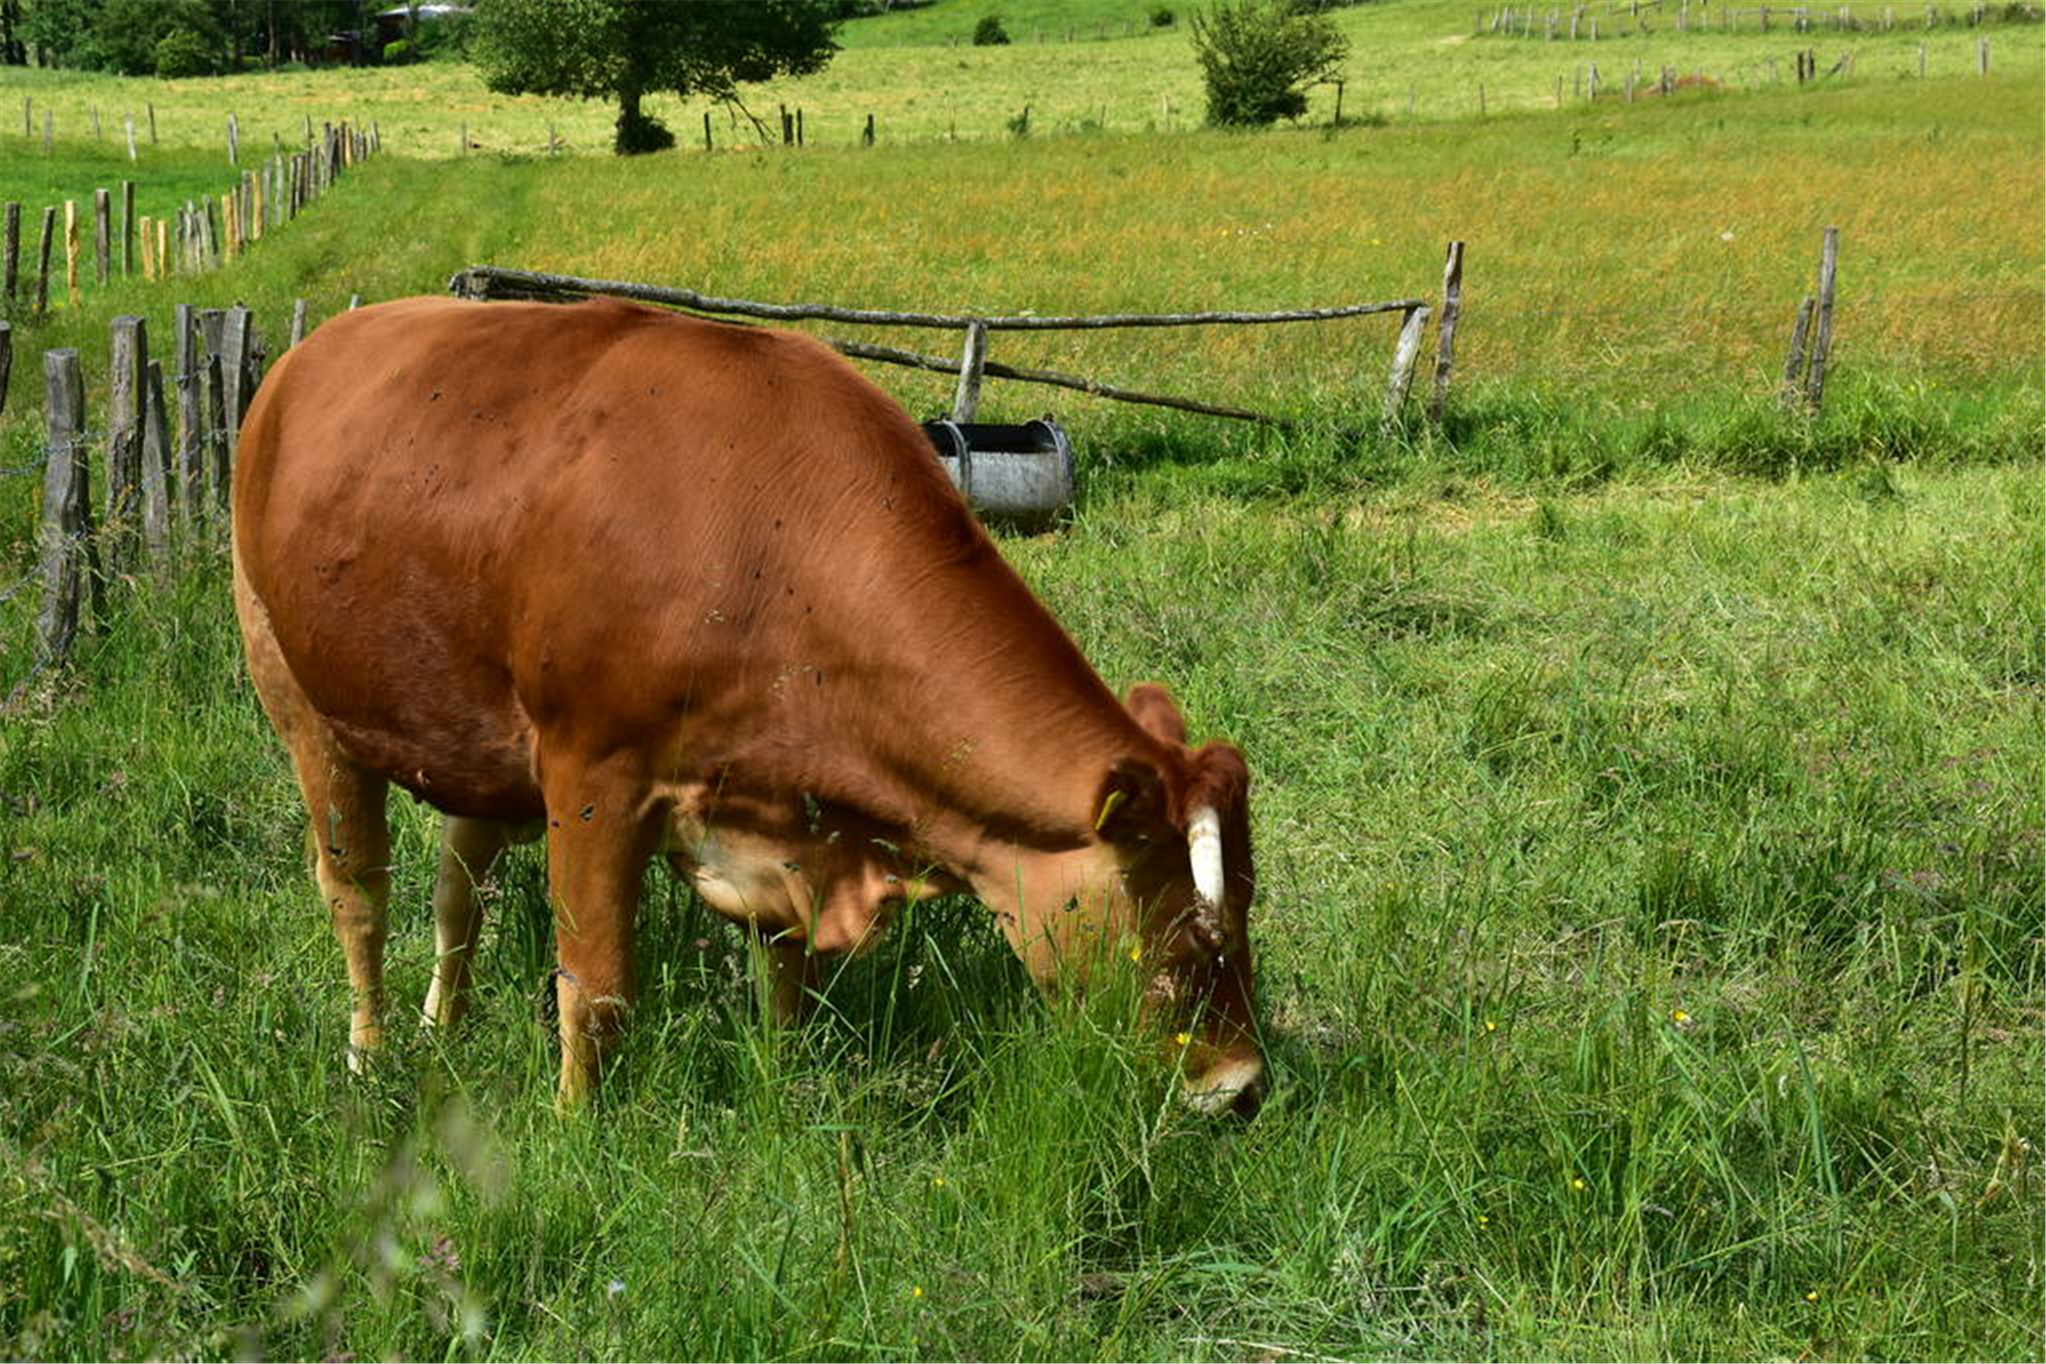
{"x":1534,"y":777}
{"x":1647,"y":805}
{"x":904,"y":70}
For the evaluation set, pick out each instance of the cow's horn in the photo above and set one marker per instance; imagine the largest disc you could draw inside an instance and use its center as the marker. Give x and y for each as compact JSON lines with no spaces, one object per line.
{"x":1204,"y":844}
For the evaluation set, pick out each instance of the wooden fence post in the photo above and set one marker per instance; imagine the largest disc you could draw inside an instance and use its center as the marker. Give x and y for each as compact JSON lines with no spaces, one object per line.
{"x":152,"y":123}
{"x":1445,"y":329}
{"x":10,"y":256}
{"x":191,"y":463}
{"x":43,"y":261}
{"x":129,"y":121}
{"x":6,"y":360}
{"x":1403,"y":355}
{"x":297,"y":321}
{"x":234,"y":141}
{"x":1793,"y":364}
{"x":71,"y":252}
{"x":128,"y":228}
{"x":234,"y":388}
{"x":212,"y":325}
{"x":67,"y":507}
{"x":127,"y":382}
{"x":158,"y":482}
{"x":1822,"y":334}
{"x":966,"y":398}
{"x":102,"y":237}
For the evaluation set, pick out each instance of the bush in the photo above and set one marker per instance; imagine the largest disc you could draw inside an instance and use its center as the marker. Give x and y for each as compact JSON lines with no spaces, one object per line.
{"x":989,"y":31}
{"x":1162,"y":16}
{"x":639,"y":133}
{"x":183,"y":52}
{"x":397,"y":53}
{"x":1258,"y":57}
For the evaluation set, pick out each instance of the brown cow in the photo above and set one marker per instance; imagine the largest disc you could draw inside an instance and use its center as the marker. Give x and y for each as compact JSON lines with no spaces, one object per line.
{"x":683,"y":587}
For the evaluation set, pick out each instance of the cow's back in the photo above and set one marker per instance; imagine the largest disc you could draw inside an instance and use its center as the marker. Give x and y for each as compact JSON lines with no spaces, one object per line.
{"x":472,"y":523}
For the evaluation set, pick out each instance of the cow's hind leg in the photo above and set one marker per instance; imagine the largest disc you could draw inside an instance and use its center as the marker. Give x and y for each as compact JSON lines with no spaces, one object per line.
{"x":350,"y":841}
{"x":600,"y":833}
{"x":468,"y":848}
{"x":352,"y":863}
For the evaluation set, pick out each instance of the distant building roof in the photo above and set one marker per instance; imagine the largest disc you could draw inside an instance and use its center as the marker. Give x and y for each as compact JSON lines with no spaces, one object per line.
{"x":425,"y":11}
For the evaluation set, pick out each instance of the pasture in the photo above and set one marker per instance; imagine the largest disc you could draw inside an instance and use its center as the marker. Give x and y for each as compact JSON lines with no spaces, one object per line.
{"x":1647,"y":803}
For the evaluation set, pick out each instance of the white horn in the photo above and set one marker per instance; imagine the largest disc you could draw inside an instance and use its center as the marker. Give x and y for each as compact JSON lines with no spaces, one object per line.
{"x":1204,"y":844}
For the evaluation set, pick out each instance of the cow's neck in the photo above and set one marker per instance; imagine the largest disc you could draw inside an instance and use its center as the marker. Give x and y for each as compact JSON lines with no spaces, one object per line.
{"x":974,"y":721}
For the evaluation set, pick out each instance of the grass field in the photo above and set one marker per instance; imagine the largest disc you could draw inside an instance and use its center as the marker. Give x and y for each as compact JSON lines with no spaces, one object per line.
{"x":1648,"y":803}
{"x":905,"y":70}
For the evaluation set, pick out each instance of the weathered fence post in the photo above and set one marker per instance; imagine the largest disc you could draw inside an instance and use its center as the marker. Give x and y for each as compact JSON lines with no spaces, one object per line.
{"x":10,"y":255}
{"x":234,"y":140}
{"x":128,"y":378}
{"x":157,"y":481}
{"x":43,"y":260}
{"x":213,"y":375}
{"x":102,"y":237}
{"x":71,"y":252}
{"x":966,"y":398}
{"x":1822,"y":333}
{"x":297,"y":321}
{"x":67,"y":507}
{"x":1793,"y":364}
{"x":6,"y":359}
{"x":128,"y":228}
{"x":190,"y":461}
{"x":1445,"y":329}
{"x":1403,"y":355}
{"x":129,"y":120}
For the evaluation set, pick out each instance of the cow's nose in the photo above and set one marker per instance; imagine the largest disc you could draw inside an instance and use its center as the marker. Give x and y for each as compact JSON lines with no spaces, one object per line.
{"x":1233,"y":1085}
{"x":1251,"y":1097}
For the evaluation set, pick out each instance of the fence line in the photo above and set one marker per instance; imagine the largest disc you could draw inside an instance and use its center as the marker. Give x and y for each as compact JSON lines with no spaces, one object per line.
{"x":486,"y":282}
{"x":165,"y":475}
{"x":200,"y":235}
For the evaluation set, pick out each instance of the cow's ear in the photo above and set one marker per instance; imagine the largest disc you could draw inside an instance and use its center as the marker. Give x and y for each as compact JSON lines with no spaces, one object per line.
{"x":1151,"y":706}
{"x":1132,"y":801}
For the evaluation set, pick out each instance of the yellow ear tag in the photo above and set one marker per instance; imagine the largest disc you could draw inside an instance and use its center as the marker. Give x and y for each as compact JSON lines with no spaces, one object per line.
{"x":1108,"y":807}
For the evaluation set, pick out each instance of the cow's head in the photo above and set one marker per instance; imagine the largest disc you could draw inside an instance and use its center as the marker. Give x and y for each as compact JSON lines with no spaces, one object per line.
{"x":1166,"y":875}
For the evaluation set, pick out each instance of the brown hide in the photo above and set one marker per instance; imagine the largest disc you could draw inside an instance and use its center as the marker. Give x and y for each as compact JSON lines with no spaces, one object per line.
{"x":678,"y":585}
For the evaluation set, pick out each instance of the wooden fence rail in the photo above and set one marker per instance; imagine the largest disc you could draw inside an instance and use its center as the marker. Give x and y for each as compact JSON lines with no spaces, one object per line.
{"x":494,"y":282}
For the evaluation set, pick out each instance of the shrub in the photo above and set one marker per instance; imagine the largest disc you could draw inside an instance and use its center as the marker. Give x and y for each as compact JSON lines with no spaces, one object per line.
{"x":183,"y":52}
{"x":989,"y":31}
{"x":397,"y":53}
{"x":1162,"y":16}
{"x":639,"y":133}
{"x":1258,"y":57}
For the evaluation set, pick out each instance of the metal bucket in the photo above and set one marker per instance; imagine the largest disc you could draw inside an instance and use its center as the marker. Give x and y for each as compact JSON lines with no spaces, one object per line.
{"x":1019,"y":477}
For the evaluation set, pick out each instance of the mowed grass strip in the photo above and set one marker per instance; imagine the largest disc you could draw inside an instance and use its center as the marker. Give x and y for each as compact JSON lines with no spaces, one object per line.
{"x":1647,"y":925}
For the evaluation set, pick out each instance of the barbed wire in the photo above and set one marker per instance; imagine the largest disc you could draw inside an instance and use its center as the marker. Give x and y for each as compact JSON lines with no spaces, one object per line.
{"x":31,"y":576}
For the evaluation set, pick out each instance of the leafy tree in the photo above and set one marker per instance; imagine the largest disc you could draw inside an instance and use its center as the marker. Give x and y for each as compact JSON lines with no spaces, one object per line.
{"x":989,"y":31}
{"x":1258,"y":57}
{"x":628,"y":49}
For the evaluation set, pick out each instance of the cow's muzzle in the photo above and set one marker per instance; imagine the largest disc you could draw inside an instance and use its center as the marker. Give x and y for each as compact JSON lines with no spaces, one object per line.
{"x":1233,"y":1085}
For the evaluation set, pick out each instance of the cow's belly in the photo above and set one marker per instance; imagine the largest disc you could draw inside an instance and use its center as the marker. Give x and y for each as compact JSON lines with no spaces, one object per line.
{"x":404,"y":699}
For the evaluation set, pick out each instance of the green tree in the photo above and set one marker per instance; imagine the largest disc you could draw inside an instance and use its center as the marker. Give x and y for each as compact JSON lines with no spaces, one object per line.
{"x":1258,"y":57}
{"x":628,"y":49}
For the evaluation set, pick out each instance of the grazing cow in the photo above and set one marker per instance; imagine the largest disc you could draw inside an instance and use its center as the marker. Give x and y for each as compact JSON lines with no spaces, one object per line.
{"x":680,"y":587}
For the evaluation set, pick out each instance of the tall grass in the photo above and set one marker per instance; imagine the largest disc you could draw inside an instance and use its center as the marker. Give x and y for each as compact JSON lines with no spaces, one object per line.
{"x":1649,"y":934}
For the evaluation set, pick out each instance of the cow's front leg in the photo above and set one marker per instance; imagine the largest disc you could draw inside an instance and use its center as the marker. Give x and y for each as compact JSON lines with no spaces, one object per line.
{"x":599,"y":837}
{"x":468,"y":848}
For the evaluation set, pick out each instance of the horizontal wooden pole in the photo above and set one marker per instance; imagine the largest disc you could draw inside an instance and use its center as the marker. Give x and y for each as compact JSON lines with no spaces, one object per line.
{"x":861,"y":350}
{"x":489,"y":281}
